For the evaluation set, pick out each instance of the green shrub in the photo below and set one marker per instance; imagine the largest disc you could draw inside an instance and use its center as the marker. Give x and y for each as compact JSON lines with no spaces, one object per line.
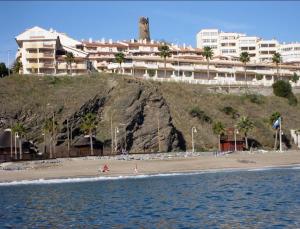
{"x":282,"y":88}
{"x":151,"y":72}
{"x":259,"y":77}
{"x":230,"y":111}
{"x":196,"y":112}
{"x":295,"y":78}
{"x":255,"y":98}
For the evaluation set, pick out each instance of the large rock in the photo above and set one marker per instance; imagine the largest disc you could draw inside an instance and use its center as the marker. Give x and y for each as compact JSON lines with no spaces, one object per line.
{"x":140,"y":110}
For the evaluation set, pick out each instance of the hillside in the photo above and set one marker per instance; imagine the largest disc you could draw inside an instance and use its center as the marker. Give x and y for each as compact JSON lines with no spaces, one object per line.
{"x":135,"y":105}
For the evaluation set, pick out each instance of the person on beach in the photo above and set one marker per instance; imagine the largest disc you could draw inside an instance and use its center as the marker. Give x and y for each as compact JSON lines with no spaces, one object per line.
{"x":135,"y":169}
{"x":105,"y":168}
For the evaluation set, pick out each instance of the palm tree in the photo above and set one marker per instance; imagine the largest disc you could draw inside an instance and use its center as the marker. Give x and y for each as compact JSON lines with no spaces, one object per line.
{"x":219,"y":129}
{"x":208,"y":54}
{"x":70,"y":59}
{"x":164,"y":52}
{"x":120,"y":57}
{"x":88,"y":126}
{"x":245,"y":125}
{"x":272,"y":119}
{"x":276,"y":59}
{"x":50,"y":127}
{"x":20,"y":129}
{"x":245,"y":58}
{"x":17,"y":66}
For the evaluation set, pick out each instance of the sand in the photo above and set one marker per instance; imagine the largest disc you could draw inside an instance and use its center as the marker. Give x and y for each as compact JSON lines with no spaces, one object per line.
{"x":89,"y":167}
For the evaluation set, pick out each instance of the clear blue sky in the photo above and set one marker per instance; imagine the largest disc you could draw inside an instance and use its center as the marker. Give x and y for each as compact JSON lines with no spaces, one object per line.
{"x":175,"y":21}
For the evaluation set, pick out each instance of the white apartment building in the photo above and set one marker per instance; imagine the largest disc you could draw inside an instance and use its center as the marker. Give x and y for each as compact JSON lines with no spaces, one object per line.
{"x":249,"y":44}
{"x":209,"y":38}
{"x":228,"y":44}
{"x":260,"y":50}
{"x":43,"y":52}
{"x":266,"y":50}
{"x":290,"y":52}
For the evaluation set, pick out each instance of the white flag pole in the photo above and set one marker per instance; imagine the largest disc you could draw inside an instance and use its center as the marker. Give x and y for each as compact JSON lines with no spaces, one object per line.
{"x":280,"y":136}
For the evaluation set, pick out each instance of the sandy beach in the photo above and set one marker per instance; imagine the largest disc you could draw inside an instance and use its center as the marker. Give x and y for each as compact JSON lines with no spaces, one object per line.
{"x":125,"y":165}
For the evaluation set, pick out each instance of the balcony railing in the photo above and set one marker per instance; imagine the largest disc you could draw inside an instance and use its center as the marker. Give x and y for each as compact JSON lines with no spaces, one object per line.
{"x":36,"y":45}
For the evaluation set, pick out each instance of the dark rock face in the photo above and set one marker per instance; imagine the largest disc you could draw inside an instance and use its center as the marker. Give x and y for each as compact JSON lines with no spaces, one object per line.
{"x":142,"y":115}
{"x":149,"y":126}
{"x":139,"y":112}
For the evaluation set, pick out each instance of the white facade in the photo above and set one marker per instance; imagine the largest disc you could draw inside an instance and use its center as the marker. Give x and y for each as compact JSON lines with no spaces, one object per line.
{"x":249,"y":44}
{"x":290,"y":52}
{"x":209,"y":38}
{"x":266,"y":50}
{"x":261,"y":51}
{"x":43,"y":52}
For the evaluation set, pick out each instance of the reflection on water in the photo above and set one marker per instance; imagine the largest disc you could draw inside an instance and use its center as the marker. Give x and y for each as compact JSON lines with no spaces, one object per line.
{"x":255,"y":199}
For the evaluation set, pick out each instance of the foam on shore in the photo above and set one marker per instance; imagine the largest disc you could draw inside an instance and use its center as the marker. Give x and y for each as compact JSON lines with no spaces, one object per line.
{"x":139,"y":176}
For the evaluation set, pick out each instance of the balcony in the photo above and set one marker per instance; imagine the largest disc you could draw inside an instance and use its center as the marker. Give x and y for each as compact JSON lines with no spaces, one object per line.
{"x":40,"y":65}
{"x":39,"y":55}
{"x":38,"y":45}
{"x":62,"y":66}
{"x":79,"y":66}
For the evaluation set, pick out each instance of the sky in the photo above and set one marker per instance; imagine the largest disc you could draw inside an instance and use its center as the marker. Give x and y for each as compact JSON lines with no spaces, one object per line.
{"x":173,"y":21}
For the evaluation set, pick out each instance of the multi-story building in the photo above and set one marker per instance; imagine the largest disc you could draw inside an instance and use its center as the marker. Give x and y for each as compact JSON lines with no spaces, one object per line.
{"x":228,"y":44}
{"x":260,"y":50}
{"x":249,"y":44}
{"x":209,"y":38}
{"x":290,"y":52}
{"x":266,"y":50}
{"x":44,"y":52}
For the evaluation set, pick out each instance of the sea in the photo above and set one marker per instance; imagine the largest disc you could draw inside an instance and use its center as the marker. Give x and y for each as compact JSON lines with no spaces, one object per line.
{"x":255,"y":198}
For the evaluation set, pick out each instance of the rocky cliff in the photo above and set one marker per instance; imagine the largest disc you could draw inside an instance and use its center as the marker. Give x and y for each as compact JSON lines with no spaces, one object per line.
{"x":136,"y":109}
{"x":140,"y":110}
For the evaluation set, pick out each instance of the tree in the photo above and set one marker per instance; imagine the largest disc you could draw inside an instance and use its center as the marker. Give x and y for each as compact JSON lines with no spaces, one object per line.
{"x":17,"y":66}
{"x":245,"y":125}
{"x":295,"y":78}
{"x":282,"y":88}
{"x":3,"y":70}
{"x":50,"y":127}
{"x":164,"y":52}
{"x":276,"y":59}
{"x":88,"y":125}
{"x":272,"y":119}
{"x":219,"y":129}
{"x":245,"y":58}
{"x":208,"y":54}
{"x":20,"y":129}
{"x":70,"y":59}
{"x":120,"y":57}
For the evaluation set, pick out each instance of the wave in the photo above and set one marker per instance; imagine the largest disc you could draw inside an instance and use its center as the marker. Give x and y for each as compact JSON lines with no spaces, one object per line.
{"x":138,"y":176}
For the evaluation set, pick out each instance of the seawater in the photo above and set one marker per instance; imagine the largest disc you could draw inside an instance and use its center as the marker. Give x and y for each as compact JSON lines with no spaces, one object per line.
{"x":265,"y":198}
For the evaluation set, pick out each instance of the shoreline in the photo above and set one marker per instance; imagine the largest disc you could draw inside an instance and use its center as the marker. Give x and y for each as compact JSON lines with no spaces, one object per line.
{"x":83,"y":179}
{"x":76,"y":169}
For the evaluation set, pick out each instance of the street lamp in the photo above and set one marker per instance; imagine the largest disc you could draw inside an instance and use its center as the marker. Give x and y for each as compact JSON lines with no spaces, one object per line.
{"x":194,"y":130}
{"x":125,"y":138}
{"x":116,"y":140}
{"x":16,"y":136}
{"x":236,"y":131}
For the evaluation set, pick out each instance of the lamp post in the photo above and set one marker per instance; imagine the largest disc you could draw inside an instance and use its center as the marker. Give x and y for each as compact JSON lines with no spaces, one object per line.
{"x":125,"y":138}
{"x":116,"y":139}
{"x":236,"y":131}
{"x":16,"y":136}
{"x":194,"y":130}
